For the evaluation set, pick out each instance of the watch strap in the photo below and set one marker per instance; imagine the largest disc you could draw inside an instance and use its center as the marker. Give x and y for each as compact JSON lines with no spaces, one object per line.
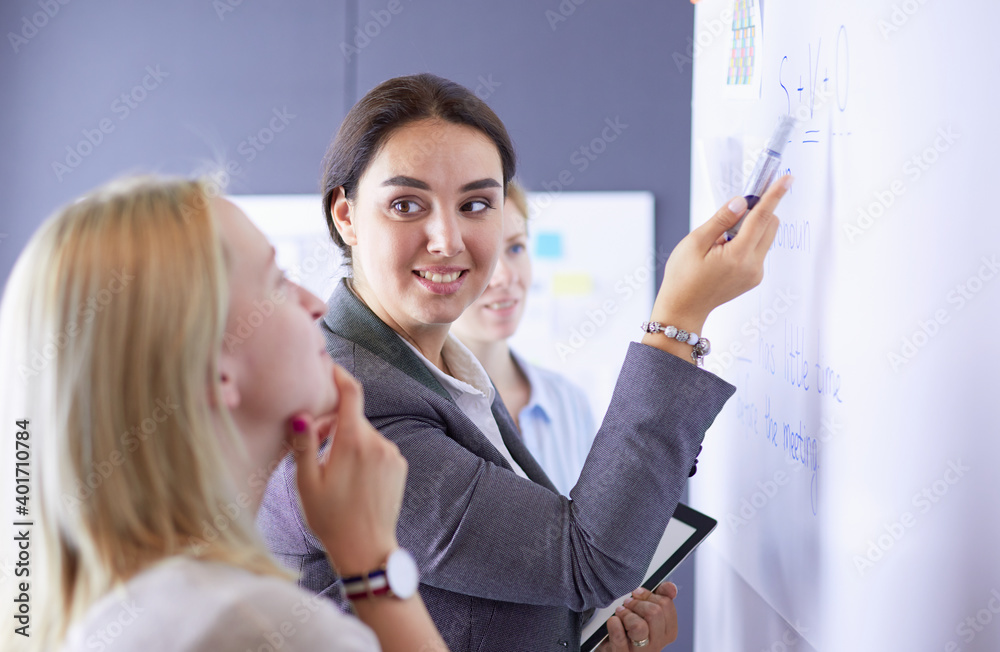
{"x":370,"y":585}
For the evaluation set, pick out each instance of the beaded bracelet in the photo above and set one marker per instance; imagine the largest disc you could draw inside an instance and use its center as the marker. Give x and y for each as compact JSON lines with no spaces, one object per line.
{"x":702,"y":346}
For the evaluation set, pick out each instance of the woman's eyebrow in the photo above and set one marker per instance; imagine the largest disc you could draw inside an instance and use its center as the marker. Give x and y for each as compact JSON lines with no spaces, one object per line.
{"x":481,"y":184}
{"x":409,"y":182}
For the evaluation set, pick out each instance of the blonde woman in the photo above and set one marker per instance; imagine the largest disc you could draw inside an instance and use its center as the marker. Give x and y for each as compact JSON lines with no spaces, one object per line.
{"x":162,"y":363}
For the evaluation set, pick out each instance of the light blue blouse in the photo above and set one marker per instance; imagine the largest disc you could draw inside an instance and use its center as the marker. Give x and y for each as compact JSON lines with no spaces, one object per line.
{"x":557,"y":425}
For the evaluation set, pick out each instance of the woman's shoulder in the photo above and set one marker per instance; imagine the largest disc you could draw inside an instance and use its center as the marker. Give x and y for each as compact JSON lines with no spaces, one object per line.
{"x":191,"y":605}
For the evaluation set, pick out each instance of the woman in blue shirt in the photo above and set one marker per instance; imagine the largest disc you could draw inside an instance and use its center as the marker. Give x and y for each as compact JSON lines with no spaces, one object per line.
{"x":552,"y":413}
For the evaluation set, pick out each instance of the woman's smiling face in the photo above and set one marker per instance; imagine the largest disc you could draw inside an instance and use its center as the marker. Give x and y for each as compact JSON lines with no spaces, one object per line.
{"x":426,"y":224}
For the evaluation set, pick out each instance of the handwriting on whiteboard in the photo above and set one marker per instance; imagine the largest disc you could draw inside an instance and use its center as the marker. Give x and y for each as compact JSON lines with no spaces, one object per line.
{"x":812,"y":88}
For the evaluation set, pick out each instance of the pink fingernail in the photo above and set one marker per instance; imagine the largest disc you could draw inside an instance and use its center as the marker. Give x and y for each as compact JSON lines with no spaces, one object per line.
{"x":628,"y":602}
{"x":299,"y":424}
{"x":738,"y":206}
{"x":788,"y":182}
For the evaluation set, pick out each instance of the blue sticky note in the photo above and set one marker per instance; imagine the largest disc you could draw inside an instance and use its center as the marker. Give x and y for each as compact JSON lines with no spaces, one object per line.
{"x":548,"y":245}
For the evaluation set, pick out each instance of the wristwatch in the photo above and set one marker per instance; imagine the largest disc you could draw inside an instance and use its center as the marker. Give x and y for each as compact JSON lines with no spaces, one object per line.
{"x":398,"y":577}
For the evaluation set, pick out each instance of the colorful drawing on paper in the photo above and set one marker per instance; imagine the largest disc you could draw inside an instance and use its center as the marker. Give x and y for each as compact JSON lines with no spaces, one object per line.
{"x":746,"y":26}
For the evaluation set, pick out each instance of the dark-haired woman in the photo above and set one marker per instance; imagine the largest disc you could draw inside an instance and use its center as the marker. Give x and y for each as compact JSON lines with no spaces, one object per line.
{"x":414,"y":187}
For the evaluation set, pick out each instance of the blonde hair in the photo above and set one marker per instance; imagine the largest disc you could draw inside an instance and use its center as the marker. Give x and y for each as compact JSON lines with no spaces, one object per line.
{"x":516,"y":194}
{"x":110,"y":328}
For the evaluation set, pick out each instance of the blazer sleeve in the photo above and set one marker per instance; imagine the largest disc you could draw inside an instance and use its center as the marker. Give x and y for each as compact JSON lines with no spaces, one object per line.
{"x":478,"y":529}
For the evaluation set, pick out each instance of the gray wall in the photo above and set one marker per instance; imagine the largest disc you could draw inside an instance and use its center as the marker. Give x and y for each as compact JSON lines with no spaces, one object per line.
{"x":224,"y":74}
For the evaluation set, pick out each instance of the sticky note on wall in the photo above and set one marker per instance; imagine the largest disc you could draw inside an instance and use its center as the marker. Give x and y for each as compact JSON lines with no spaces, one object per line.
{"x":548,"y":245}
{"x":572,"y":284}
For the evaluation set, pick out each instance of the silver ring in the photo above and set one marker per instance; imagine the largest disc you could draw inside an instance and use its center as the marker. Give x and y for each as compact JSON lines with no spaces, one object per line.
{"x":643,"y":643}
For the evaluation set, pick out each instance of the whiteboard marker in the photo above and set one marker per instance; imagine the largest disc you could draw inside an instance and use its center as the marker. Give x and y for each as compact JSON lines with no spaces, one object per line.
{"x":765,"y":170}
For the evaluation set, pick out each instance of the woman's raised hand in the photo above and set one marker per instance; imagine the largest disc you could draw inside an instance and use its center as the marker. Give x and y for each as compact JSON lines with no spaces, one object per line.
{"x":351,"y":493}
{"x":704,"y":271}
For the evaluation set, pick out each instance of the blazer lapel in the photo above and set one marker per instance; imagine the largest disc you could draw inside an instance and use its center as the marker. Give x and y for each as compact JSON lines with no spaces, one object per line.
{"x":349,"y":317}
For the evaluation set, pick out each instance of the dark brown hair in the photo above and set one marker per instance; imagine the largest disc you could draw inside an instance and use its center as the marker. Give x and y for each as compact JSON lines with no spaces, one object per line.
{"x":389,"y":106}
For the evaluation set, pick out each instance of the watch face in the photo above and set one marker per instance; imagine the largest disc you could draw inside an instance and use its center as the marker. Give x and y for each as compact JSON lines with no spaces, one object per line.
{"x":401,"y":571}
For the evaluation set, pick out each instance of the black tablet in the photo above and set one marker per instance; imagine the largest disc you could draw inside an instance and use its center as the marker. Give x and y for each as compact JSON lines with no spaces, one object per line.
{"x":684,"y":532}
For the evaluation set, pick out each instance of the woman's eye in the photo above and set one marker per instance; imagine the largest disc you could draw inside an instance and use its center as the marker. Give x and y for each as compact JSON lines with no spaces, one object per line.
{"x":475,"y":206}
{"x":517,"y":249}
{"x":404,"y":206}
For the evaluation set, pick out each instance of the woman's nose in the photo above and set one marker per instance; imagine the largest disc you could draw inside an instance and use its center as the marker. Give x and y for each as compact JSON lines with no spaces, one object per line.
{"x":311,"y":302}
{"x":444,"y":235}
{"x":504,"y":275}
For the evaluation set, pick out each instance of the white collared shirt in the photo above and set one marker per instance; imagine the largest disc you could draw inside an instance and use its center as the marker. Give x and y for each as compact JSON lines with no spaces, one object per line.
{"x":471,"y":390}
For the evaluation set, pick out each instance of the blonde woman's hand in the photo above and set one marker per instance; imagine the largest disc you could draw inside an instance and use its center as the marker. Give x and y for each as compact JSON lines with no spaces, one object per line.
{"x":648,"y":617}
{"x":704,"y":271}
{"x":352,"y":492}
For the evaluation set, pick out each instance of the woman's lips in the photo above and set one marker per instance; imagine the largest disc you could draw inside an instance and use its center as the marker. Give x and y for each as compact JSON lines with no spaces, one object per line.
{"x":501,"y":307}
{"x":441,"y":280}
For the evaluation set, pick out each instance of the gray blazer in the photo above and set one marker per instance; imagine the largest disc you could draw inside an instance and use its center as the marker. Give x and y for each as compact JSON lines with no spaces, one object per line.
{"x":507,"y":564}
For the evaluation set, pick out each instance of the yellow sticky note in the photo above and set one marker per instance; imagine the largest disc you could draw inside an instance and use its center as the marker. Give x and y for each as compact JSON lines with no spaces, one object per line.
{"x":572,"y":284}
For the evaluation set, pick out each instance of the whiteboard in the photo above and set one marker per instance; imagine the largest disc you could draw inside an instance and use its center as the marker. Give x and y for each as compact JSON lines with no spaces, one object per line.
{"x":853,"y":474}
{"x":589,"y":294}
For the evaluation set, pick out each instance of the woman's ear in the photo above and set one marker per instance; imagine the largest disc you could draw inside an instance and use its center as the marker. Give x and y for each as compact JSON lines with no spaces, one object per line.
{"x":343,"y":217}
